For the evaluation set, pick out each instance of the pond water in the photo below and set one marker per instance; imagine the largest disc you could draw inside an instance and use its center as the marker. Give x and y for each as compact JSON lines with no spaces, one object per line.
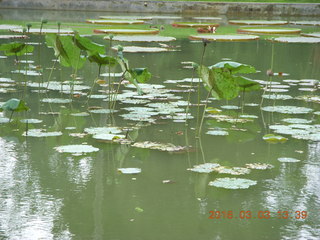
{"x":49,"y":194}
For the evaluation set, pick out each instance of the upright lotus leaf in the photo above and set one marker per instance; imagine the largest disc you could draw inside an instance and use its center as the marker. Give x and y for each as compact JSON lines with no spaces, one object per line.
{"x":87,"y":45}
{"x":235,"y":67}
{"x":66,"y":50}
{"x":247,"y":84}
{"x":14,"y":105}
{"x":102,"y":59}
{"x":142,"y":75}
{"x":16,"y":49}
{"x":208,"y":80}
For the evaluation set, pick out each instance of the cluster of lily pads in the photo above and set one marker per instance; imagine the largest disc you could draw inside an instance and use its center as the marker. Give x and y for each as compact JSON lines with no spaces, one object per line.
{"x":223,"y":80}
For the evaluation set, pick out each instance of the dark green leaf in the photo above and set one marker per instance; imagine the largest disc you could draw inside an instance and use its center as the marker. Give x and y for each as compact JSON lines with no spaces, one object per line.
{"x":16,"y":48}
{"x":142,"y":75}
{"x":102,"y":59}
{"x":247,"y":84}
{"x":87,"y":45}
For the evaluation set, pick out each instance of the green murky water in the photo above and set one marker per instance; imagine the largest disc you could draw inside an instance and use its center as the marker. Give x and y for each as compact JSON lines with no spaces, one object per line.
{"x":46,"y":194}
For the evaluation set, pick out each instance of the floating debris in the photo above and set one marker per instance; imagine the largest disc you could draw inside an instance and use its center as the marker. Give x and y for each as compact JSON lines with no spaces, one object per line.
{"x":167,"y":147}
{"x":204,"y":168}
{"x":232,"y":183}
{"x":259,"y":166}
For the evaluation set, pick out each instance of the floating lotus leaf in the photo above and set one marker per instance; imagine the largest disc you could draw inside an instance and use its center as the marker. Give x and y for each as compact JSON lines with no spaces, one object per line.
{"x":114,"y":75}
{"x":297,"y":39}
{"x":146,"y":117}
{"x":269,"y":30}
{"x":107,"y":136}
{"x":309,"y":98}
{"x":81,"y":114}
{"x":129,"y":170}
{"x":217,"y":133}
{"x":287,"y":109}
{"x":134,"y":49}
{"x":103,"y":111}
{"x":4,"y":120}
{"x":232,"y":171}
{"x":167,"y":147}
{"x":13,"y":36}
{"x":224,"y":38}
{"x":194,"y":24}
{"x":141,"y":38}
{"x":230,"y":107}
{"x":9,"y":26}
{"x":288,"y":160}
{"x":204,"y":168}
{"x":77,"y":149}
{"x":114,"y":22}
{"x":296,"y":120}
{"x":259,"y":166}
{"x":213,"y":110}
{"x":277,"y":96}
{"x":102,"y":130}
{"x":31,"y":120}
{"x":127,"y":31}
{"x":6,"y":80}
{"x":310,"y":23}
{"x":128,"y":17}
{"x":232,"y":183}
{"x":41,"y":133}
{"x":229,"y":119}
{"x":274,"y":138}
{"x":27,"y":72}
{"x":207,"y":18}
{"x":248,"y":116}
{"x":315,"y":34}
{"x":257,"y":22}
{"x":44,"y":31}
{"x":56,"y":100}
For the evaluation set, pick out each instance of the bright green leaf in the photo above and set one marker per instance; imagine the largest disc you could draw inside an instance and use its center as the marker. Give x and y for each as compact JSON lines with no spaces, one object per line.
{"x":15,"y":105}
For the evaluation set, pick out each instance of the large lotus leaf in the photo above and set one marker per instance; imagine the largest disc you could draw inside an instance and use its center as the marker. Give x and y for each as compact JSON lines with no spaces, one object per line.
{"x":207,"y":78}
{"x":246,"y":84}
{"x":102,"y":59}
{"x":15,"y":105}
{"x":66,"y":50}
{"x":16,"y":48}
{"x":235,"y":67}
{"x":87,"y":45}
{"x":142,"y":75}
{"x":225,"y":84}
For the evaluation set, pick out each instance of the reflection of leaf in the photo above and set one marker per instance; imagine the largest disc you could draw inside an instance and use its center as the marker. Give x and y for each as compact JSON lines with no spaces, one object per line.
{"x":15,"y":105}
{"x":16,"y":49}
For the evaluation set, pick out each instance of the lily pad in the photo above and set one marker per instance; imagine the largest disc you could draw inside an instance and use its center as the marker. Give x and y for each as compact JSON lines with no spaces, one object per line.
{"x":141,"y":38}
{"x":204,"y":168}
{"x":287,"y":109}
{"x":9,"y":26}
{"x":31,"y":121}
{"x":167,"y":147}
{"x":194,"y":24}
{"x":41,"y":133}
{"x":13,"y":36}
{"x":56,"y":100}
{"x":4,"y":120}
{"x":274,"y":138}
{"x":309,"y":23}
{"x":232,"y":171}
{"x":134,"y":49}
{"x":129,"y":170}
{"x":296,"y":120}
{"x":224,"y":38}
{"x":44,"y":31}
{"x":127,"y":17}
{"x":257,"y":22}
{"x":217,"y":133}
{"x":288,"y":160}
{"x":315,"y":34}
{"x":297,"y":39}
{"x":127,"y":31}
{"x":269,"y":30}
{"x":77,"y":149}
{"x":114,"y":21}
{"x":107,"y":136}
{"x":259,"y":166}
{"x":102,"y":130}
{"x":232,"y":183}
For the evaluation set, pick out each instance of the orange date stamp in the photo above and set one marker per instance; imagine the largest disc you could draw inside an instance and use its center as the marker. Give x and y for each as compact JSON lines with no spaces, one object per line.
{"x":258,"y":215}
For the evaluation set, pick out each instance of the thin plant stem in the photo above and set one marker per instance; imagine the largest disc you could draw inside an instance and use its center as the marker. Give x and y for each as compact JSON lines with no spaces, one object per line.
{"x":204,"y":111}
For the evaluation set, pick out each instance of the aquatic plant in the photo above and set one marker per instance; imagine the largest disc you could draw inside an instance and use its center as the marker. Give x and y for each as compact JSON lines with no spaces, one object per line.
{"x":14,"y":105}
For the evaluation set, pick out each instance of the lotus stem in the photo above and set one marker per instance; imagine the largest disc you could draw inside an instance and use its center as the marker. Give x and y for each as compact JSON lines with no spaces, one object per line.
{"x":204,"y":112}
